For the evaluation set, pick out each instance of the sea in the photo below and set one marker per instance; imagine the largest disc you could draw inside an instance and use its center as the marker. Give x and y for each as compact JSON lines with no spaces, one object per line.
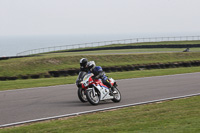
{"x":12,"y":45}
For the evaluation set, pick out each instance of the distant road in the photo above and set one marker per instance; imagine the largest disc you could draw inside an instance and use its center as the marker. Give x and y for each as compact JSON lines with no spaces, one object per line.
{"x":35,"y":103}
{"x":129,"y":53}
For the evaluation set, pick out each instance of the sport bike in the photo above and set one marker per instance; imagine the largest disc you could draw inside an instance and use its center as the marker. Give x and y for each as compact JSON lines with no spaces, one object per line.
{"x":96,"y":91}
{"x":81,"y":92}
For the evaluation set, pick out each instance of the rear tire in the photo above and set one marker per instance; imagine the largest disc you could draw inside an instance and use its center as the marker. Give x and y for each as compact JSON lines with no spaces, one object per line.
{"x":94,"y":100}
{"x":117,"y":96}
{"x":81,"y":95}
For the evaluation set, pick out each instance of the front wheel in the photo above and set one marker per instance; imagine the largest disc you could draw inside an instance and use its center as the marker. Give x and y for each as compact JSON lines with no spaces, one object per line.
{"x":92,"y":98}
{"x":81,"y":95}
{"x":117,"y":96}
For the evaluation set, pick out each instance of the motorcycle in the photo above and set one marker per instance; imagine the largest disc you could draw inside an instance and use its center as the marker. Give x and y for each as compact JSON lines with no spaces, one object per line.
{"x":96,"y":91}
{"x":81,"y":92}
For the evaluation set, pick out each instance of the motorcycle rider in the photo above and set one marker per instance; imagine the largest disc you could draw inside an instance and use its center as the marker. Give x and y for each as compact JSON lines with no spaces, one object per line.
{"x":83,"y":65}
{"x":100,"y":74}
{"x":83,"y":70}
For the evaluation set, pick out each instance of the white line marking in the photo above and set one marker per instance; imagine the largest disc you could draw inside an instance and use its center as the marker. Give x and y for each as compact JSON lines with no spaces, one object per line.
{"x":92,"y":111}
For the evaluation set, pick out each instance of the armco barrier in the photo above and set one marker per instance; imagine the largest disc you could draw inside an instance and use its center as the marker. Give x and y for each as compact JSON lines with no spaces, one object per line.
{"x":104,"y":43}
{"x":24,"y":76}
{"x":107,"y":69}
{"x":54,"y":73}
{"x":12,"y":78}
{"x":73,"y":72}
{"x":35,"y":76}
{"x":3,"y":78}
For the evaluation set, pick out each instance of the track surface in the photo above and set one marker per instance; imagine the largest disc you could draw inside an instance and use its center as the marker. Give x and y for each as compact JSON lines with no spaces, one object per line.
{"x":34,"y":103}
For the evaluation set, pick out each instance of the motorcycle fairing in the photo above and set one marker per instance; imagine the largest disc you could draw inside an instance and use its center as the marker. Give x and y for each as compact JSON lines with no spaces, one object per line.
{"x":104,"y":92}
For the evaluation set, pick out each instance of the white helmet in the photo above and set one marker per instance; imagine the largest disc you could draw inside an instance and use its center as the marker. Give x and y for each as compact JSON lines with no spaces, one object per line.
{"x":91,"y":65}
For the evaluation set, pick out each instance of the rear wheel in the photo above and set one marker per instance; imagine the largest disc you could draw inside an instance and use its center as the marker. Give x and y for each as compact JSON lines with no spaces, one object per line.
{"x":92,"y":98}
{"x":117,"y":96}
{"x":81,"y":95}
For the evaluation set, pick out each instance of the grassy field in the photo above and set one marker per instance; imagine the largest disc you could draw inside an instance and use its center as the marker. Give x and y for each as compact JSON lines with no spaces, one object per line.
{"x":69,"y":60}
{"x":177,"y":116}
{"x":29,"y":83}
{"x":52,"y":62}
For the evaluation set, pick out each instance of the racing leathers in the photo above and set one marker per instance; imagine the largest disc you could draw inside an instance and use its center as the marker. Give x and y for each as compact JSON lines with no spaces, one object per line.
{"x":100,"y":74}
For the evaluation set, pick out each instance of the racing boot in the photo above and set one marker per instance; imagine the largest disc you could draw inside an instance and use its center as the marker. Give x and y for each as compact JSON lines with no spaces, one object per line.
{"x":111,"y":91}
{"x":107,"y":83}
{"x":111,"y":88}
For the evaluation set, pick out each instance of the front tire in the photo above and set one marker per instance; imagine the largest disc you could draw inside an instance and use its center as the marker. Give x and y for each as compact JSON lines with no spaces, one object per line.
{"x":117,"y":96}
{"x":94,"y":100}
{"x":81,"y":95}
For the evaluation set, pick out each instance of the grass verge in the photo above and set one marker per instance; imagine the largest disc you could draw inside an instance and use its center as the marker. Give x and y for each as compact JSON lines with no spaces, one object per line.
{"x":29,"y":83}
{"x":181,"y":115}
{"x":43,"y":64}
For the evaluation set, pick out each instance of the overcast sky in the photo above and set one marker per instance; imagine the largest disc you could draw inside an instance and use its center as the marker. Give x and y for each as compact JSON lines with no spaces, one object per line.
{"x":44,"y":17}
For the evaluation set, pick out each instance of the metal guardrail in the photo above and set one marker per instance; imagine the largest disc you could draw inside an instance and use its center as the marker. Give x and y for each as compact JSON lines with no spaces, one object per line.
{"x":103,"y":43}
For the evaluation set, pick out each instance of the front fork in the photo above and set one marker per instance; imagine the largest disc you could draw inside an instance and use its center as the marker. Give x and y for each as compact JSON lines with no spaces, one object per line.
{"x":93,"y":91}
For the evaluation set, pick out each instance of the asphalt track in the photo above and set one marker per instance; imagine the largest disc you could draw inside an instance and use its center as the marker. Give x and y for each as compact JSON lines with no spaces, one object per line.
{"x":42,"y":102}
